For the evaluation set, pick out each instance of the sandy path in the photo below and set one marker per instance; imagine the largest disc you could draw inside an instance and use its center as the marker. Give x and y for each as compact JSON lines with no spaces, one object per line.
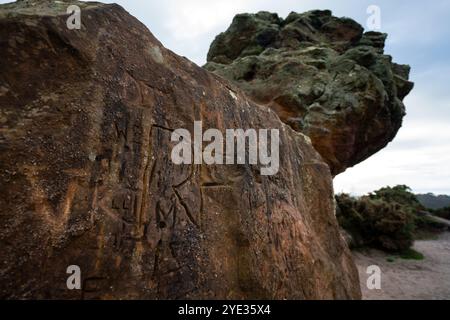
{"x":410,"y":279}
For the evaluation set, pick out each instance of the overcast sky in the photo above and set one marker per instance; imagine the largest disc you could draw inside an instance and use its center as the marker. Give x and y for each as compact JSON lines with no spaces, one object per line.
{"x":419,"y":35}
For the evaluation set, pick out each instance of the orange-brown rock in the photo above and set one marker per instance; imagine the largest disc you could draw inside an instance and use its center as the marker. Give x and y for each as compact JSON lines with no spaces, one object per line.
{"x":86,"y":177}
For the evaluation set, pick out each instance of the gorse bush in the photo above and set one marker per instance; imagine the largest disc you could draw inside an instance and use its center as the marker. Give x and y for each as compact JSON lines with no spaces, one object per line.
{"x":375,"y":222}
{"x":401,"y":195}
{"x":443,"y":213}
{"x":388,"y":219}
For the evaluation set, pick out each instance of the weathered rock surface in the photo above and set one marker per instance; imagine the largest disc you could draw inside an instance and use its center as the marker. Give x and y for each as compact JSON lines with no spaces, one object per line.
{"x":322,"y":75}
{"x":86,"y":177}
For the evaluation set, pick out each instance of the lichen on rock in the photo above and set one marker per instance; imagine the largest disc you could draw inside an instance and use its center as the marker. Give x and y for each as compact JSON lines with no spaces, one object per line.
{"x":323,"y":76}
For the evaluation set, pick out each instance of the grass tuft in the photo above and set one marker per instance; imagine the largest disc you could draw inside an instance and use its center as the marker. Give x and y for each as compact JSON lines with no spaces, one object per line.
{"x":411,"y":254}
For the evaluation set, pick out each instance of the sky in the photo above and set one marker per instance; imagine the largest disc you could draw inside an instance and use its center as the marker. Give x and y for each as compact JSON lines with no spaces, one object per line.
{"x":419,"y":34}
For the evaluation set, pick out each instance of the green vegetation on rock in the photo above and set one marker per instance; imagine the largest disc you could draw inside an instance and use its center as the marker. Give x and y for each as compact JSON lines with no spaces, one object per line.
{"x":323,"y":76}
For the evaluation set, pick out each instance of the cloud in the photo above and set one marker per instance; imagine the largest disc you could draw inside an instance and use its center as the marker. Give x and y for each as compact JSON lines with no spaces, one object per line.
{"x":189,"y":27}
{"x":419,"y":157}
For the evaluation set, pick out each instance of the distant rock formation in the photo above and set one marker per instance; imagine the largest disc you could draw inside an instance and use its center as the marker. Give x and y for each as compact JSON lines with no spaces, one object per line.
{"x":86,"y":177}
{"x":322,"y":75}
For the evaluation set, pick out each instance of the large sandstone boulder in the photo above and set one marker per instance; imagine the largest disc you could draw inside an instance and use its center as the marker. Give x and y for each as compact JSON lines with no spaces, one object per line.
{"x":322,"y":75}
{"x":86,"y":177}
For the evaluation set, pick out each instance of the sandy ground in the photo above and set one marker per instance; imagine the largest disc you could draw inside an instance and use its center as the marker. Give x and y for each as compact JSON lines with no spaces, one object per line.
{"x":410,"y":279}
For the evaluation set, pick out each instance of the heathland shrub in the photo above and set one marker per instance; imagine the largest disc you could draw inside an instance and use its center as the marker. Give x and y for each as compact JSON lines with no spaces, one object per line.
{"x":401,"y":195}
{"x":376,"y":223}
{"x":443,"y":213}
{"x":389,"y":218}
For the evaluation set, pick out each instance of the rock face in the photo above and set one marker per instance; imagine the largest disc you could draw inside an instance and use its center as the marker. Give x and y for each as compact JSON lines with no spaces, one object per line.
{"x":86,"y":177}
{"x":322,"y":75}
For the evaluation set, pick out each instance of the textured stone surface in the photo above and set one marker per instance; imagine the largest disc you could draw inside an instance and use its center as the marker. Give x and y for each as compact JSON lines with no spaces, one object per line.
{"x":321,"y":75}
{"x":86,"y":177}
